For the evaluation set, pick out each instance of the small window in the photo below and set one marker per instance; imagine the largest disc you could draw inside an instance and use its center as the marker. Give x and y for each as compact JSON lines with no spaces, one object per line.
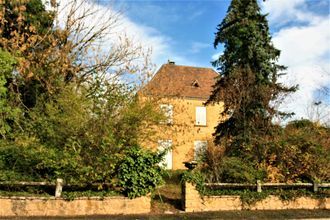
{"x":195,"y":84}
{"x":167,"y":160}
{"x":168,"y":112}
{"x":201,"y":115}
{"x":199,"y":149}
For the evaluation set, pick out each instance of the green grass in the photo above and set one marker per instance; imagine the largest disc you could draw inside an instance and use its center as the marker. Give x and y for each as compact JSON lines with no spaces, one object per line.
{"x":168,"y":196}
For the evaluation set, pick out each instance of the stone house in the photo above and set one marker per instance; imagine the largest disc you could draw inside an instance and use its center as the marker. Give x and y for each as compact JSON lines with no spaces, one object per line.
{"x":181,"y":92}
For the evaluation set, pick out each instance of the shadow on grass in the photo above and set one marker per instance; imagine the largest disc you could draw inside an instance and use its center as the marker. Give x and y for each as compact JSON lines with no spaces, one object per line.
{"x":172,"y":202}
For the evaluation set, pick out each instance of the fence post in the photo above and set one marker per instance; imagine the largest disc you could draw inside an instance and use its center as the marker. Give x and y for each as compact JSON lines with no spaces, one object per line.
{"x":59,"y":186}
{"x":259,"y":190}
{"x":315,"y":186}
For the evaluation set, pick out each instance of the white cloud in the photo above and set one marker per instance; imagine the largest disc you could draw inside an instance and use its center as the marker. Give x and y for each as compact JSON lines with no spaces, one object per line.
{"x":196,"y":47}
{"x":284,"y":11}
{"x":147,"y":37}
{"x":305,"y":47}
{"x":196,"y":14}
{"x":216,"y":56}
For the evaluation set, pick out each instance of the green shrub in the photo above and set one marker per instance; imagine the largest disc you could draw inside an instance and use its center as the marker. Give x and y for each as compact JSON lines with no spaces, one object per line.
{"x":139,"y":172}
{"x":235,"y":170}
{"x":197,"y":178}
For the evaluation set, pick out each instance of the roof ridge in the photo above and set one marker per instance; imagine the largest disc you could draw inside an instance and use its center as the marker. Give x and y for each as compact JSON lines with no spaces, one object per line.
{"x":198,"y":67}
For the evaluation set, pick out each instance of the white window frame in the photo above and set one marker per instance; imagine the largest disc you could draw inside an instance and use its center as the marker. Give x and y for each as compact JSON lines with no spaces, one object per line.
{"x":200,"y":148}
{"x":167,"y":161}
{"x":167,"y":109}
{"x":200,"y":115}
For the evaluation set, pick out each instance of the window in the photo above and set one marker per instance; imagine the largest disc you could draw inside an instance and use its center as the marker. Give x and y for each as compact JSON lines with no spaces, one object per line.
{"x":167,"y":160}
{"x":201,"y":115}
{"x":199,"y":149}
{"x":168,"y":112}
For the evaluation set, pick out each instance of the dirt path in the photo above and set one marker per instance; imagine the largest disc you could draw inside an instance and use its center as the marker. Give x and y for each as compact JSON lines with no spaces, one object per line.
{"x":167,"y":199}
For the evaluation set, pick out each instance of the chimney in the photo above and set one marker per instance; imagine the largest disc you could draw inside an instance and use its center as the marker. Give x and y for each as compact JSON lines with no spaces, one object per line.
{"x":171,"y":62}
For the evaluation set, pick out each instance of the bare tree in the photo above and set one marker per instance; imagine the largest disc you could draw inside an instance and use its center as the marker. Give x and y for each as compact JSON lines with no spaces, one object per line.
{"x":319,"y":110}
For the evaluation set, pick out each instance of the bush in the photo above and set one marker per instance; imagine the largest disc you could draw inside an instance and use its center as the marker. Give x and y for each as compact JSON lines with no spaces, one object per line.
{"x":299,"y":152}
{"x":235,"y":170}
{"x":197,"y":178}
{"x":139,"y":172}
{"x":302,"y":153}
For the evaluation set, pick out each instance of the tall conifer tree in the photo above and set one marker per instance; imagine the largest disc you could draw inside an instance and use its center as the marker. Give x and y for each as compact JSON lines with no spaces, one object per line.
{"x":247,"y":82}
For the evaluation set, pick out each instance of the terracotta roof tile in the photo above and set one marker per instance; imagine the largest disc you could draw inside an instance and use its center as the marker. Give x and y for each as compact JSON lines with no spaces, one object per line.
{"x":182,"y":81}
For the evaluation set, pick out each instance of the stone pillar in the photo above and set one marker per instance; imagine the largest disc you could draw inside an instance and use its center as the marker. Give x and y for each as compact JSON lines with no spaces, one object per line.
{"x":259,"y":190}
{"x":59,"y":187}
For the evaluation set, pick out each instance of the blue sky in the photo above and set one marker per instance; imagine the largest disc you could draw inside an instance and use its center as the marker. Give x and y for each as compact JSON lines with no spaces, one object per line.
{"x":188,"y":26}
{"x":183,"y":31}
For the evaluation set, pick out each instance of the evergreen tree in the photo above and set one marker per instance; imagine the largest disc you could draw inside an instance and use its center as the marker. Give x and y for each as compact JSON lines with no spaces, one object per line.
{"x":247,"y":81}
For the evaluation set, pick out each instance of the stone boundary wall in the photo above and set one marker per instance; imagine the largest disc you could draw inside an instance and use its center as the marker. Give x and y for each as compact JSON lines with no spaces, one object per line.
{"x":83,"y":206}
{"x":194,"y":202}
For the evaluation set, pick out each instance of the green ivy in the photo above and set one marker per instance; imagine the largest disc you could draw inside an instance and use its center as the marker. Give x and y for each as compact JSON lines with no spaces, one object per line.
{"x":71,"y":195}
{"x":139,"y":172}
{"x":249,"y":197}
{"x":197,"y":178}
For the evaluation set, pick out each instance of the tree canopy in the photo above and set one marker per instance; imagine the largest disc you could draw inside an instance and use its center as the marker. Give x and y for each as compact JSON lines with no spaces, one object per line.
{"x":66,"y":110}
{"x":248,"y":74}
{"x":249,"y":145}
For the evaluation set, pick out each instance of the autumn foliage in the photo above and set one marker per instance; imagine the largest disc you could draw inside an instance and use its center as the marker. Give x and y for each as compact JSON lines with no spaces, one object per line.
{"x":66,"y":109}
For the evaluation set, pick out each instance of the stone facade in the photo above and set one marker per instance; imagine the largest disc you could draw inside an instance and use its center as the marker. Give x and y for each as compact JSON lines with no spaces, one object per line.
{"x":196,"y":203}
{"x":183,"y":90}
{"x":183,"y":131}
{"x":34,"y":206}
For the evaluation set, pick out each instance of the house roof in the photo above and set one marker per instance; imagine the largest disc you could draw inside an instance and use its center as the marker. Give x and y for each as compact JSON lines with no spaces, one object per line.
{"x":182,"y":81}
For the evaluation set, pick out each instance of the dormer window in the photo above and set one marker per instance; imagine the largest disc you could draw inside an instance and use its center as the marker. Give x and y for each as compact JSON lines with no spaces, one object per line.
{"x":195,"y":84}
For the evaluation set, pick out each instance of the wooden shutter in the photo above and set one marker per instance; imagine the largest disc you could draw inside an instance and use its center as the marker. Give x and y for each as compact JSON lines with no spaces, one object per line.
{"x":167,"y":161}
{"x":201,"y":115}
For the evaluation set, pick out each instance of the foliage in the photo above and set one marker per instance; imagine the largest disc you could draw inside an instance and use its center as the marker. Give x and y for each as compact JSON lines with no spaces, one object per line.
{"x":299,"y":153}
{"x":139,"y":171}
{"x":8,"y":112}
{"x":71,"y":195}
{"x":247,"y":65}
{"x":25,"y":193}
{"x":249,"y":197}
{"x":247,"y":83}
{"x":66,"y":108}
{"x":250,"y":145}
{"x":235,"y":170}
{"x":197,"y":178}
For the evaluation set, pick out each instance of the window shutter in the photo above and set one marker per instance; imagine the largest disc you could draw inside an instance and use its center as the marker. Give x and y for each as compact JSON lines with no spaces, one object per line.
{"x":167,"y":160}
{"x":200,"y":115}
